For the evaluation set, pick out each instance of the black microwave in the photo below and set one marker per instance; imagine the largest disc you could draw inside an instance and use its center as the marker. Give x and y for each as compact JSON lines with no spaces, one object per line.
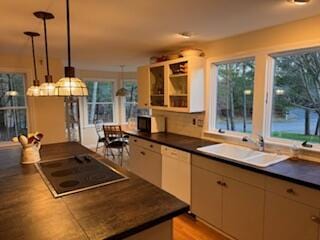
{"x":151,"y":124}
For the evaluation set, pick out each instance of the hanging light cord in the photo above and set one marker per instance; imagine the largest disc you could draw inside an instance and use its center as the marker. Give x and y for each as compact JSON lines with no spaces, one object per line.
{"x":34,"y":60}
{"x":68,"y":34}
{"x":46,"y":44}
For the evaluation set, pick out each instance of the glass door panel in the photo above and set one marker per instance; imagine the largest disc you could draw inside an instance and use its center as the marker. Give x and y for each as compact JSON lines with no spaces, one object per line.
{"x":157,"y":86}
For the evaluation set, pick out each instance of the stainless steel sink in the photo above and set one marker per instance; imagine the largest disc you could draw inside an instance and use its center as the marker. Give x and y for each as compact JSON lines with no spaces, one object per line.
{"x":243,"y":154}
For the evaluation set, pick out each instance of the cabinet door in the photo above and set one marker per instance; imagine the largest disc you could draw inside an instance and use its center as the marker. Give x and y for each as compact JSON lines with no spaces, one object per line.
{"x":206,"y":196}
{"x":288,"y":219}
{"x":243,"y":207}
{"x":143,"y":87}
{"x":146,"y":164}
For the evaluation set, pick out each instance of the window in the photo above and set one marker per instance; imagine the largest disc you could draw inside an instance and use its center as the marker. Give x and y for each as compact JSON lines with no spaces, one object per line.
{"x":13,"y":110}
{"x":296,"y":96}
{"x":234,"y":98}
{"x":100,"y":101}
{"x":131,"y":103}
{"x":131,"y":99}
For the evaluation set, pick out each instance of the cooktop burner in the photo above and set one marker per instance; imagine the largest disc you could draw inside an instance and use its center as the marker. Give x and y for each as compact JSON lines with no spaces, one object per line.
{"x":75,"y":174}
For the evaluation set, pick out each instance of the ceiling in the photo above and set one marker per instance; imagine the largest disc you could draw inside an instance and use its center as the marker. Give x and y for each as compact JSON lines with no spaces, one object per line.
{"x":108,"y":33}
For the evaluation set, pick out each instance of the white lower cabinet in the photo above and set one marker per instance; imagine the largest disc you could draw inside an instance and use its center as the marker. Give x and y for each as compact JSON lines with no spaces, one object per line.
{"x":286,"y":219}
{"x":146,"y":164}
{"x":206,"y":196}
{"x":234,"y":207}
{"x":250,"y":206}
{"x":242,"y":210}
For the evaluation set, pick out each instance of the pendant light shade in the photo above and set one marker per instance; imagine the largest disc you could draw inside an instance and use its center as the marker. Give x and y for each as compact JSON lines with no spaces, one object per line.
{"x":46,"y":88}
{"x":34,"y":90}
{"x":70,"y":85}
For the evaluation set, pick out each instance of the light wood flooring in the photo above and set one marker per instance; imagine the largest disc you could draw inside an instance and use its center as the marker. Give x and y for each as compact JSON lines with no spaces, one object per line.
{"x":185,"y":227}
{"x":188,"y":228}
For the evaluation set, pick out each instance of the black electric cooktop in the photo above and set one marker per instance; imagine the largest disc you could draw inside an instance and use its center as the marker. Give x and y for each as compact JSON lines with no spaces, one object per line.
{"x":75,"y":174}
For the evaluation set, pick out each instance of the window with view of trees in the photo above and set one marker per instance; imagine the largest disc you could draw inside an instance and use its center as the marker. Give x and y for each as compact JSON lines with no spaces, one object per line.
{"x":100,"y":101}
{"x":13,"y":110}
{"x":235,"y":95}
{"x":131,"y":98}
{"x":296,"y":96}
{"x":131,"y":103}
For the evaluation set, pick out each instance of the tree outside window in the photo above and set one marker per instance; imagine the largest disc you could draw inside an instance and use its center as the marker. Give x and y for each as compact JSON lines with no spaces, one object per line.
{"x":296,"y":96}
{"x":234,"y":102}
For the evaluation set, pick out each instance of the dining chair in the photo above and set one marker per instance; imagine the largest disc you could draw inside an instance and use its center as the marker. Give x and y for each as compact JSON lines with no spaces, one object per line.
{"x":98,"y":124}
{"x":115,"y":139}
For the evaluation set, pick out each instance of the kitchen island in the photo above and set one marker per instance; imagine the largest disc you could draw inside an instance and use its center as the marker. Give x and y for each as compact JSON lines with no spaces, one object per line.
{"x":132,"y":209}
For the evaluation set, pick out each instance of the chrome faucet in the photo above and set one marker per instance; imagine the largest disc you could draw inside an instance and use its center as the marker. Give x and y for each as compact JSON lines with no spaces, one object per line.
{"x":258,"y":142}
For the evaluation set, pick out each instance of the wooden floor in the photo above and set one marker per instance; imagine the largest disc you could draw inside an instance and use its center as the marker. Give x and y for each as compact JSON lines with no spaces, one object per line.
{"x":184,"y":227}
{"x":187,"y":228}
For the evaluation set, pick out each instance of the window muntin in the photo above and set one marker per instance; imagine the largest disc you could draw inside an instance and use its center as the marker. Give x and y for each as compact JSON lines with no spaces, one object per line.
{"x":13,"y":110}
{"x":100,"y":101}
{"x":296,"y":96}
{"x":234,"y":98}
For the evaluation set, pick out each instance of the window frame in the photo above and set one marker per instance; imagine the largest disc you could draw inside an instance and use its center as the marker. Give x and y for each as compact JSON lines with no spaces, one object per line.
{"x":26,"y":79}
{"x":125,"y":101}
{"x":212,"y":86}
{"x":269,"y":96}
{"x":114,"y":105}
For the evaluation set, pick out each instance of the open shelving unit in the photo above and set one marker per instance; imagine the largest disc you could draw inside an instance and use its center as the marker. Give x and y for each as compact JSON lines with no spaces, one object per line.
{"x":175,"y":85}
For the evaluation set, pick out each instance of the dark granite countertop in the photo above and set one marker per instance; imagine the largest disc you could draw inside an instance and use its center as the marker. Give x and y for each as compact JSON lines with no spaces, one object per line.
{"x":29,"y":211}
{"x":298,"y":171}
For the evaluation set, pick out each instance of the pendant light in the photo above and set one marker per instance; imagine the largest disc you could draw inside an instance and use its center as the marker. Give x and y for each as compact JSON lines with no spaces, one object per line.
{"x":122,"y":92}
{"x":34,"y":90}
{"x":46,"y":88}
{"x":70,"y":85}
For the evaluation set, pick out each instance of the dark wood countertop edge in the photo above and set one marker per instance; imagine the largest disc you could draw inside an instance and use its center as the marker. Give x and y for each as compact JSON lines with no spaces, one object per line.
{"x":148,"y":225}
{"x":230,"y":162}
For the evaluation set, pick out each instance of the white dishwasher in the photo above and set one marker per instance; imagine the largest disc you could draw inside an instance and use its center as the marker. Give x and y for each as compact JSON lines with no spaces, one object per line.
{"x":176,"y":173}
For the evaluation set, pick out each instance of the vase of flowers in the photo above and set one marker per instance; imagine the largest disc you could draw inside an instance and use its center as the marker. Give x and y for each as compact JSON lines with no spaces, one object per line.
{"x":30,"y":147}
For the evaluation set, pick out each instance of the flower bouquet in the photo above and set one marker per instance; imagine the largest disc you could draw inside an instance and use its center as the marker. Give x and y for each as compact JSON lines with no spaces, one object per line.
{"x":30,"y":147}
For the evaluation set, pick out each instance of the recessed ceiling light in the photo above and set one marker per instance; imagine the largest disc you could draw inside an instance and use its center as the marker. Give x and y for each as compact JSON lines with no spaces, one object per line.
{"x":299,"y":2}
{"x":185,"y":35}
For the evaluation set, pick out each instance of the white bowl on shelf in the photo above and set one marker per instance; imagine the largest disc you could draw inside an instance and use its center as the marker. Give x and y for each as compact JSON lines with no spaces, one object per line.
{"x":191,"y":52}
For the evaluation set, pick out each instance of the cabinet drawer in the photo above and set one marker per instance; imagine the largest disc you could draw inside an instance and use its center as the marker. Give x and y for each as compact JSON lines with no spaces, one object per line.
{"x":207,"y":164}
{"x":227,"y":170}
{"x":293,"y":191}
{"x":145,"y":144}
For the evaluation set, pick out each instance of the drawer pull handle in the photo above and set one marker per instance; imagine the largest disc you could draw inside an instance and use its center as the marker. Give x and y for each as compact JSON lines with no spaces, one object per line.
{"x":151,"y":145}
{"x":219,"y":182}
{"x":143,"y":153}
{"x":291,"y":191}
{"x":315,"y":219}
{"x":135,"y":140}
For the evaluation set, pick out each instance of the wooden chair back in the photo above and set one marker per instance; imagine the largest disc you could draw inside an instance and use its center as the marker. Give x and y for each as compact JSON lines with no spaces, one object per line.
{"x":112,"y":132}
